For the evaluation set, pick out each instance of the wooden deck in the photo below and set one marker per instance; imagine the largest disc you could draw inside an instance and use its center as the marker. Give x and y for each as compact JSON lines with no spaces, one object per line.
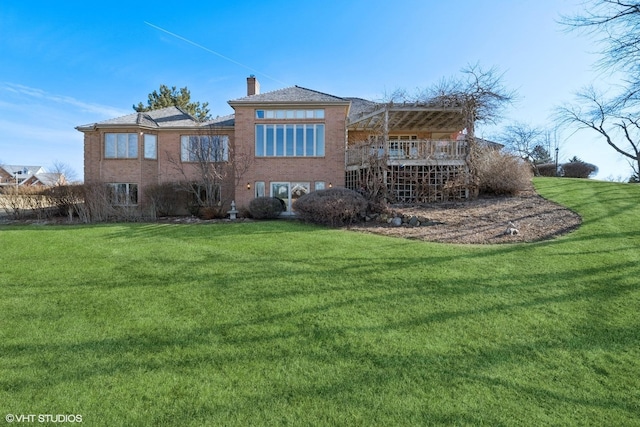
{"x":416,"y":152}
{"x":413,"y":171}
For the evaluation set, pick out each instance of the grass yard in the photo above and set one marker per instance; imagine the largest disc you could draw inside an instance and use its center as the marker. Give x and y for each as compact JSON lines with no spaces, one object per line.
{"x":279,"y":323}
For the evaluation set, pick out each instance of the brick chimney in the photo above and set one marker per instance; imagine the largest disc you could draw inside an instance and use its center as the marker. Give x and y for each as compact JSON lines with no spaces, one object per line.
{"x":253,"y":86}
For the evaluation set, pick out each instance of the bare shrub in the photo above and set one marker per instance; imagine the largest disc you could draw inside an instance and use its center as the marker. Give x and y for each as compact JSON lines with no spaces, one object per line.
{"x":90,"y":202}
{"x":97,"y":206}
{"x":38,"y":203}
{"x":211,"y":212}
{"x":333,"y":207}
{"x":547,"y":169}
{"x":501,"y":174}
{"x":66,"y":199}
{"x":11,"y":202}
{"x":164,"y":199}
{"x":265,"y":207}
{"x":578,"y":169}
{"x":244,"y":212}
{"x":22,"y":202}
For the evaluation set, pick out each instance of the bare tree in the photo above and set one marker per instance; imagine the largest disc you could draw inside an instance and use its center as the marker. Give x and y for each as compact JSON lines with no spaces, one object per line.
{"x":618,"y":125}
{"x":522,"y":139}
{"x":207,"y":163}
{"x":615,"y":24}
{"x":67,"y":173}
{"x":480,"y":93}
{"x":552,"y":143}
{"x":483,"y":98}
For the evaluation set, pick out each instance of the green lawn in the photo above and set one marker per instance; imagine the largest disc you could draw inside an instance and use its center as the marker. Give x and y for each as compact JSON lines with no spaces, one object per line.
{"x":279,"y":323}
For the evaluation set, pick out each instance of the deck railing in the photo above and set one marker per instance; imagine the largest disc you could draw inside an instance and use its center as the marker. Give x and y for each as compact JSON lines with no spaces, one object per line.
{"x":427,"y":150}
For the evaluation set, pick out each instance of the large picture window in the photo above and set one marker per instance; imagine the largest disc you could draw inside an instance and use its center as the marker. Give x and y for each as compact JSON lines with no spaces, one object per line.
{"x":124,"y":194}
{"x":204,"y":148}
{"x":290,"y":140}
{"x":120,"y":145}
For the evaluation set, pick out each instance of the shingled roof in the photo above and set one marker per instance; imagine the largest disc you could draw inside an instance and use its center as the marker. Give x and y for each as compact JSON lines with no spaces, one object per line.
{"x":293,"y":94}
{"x":169,"y":117}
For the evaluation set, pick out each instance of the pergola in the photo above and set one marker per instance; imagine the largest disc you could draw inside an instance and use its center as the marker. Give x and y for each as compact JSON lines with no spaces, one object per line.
{"x":408,"y":117}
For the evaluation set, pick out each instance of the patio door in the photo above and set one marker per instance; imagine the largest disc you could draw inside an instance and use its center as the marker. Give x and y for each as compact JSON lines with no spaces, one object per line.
{"x":289,"y":192}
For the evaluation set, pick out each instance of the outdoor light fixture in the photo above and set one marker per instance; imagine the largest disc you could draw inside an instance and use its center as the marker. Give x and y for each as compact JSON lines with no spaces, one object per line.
{"x":330,"y":185}
{"x":248,"y":186}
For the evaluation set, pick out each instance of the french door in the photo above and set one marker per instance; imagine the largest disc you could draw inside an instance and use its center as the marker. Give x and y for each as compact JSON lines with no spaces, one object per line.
{"x":289,"y":192}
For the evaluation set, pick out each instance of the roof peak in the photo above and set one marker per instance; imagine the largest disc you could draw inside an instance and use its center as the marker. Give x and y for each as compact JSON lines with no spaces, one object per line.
{"x":291,"y":94}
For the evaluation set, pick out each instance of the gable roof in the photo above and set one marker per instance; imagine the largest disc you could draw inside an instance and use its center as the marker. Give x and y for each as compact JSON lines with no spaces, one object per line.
{"x":29,"y":175}
{"x":47,"y":179}
{"x":293,"y":94}
{"x":22,"y":170}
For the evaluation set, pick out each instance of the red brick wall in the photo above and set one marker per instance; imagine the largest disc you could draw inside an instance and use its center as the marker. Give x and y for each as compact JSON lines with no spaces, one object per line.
{"x":166,"y":168}
{"x":329,"y":168}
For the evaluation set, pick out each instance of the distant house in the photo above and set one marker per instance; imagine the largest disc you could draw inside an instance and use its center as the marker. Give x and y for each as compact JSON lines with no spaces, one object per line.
{"x":298,"y":140}
{"x":27,"y":176}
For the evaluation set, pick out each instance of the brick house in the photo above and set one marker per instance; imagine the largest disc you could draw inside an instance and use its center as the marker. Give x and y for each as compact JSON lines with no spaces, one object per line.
{"x":29,"y":176}
{"x":291,"y":141}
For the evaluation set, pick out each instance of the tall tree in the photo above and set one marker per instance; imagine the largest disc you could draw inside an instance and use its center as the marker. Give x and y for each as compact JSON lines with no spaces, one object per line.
{"x":167,"y":97}
{"x":540,"y":155}
{"x":616,"y":118}
{"x":618,"y":125}
{"x":615,"y":24}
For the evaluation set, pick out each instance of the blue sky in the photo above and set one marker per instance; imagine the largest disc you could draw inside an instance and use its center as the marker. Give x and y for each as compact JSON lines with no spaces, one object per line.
{"x":65,"y":64}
